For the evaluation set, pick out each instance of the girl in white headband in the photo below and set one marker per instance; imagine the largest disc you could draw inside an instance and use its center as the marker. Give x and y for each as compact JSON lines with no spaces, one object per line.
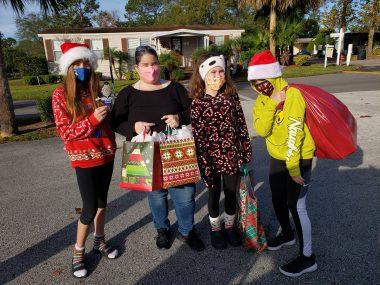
{"x":222,"y":142}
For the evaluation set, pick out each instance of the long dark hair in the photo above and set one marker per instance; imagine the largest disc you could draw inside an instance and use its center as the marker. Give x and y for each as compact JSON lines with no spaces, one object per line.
{"x":141,"y":50}
{"x":197,"y":84}
{"x":74,"y":105}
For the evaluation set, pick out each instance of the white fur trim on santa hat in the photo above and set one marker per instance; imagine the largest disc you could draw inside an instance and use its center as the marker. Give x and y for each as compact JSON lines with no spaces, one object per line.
{"x":74,"y":54}
{"x":264,"y":71}
{"x":210,"y":63}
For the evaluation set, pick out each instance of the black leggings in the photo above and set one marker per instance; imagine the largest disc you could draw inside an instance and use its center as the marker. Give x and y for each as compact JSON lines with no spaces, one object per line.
{"x":93,"y":185}
{"x":230,"y":187}
{"x":289,"y":195}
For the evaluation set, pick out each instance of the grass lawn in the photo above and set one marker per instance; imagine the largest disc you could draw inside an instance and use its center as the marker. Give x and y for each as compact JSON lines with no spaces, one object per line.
{"x":21,"y":91}
{"x":315,"y":69}
{"x":308,"y":70}
{"x":35,"y":131}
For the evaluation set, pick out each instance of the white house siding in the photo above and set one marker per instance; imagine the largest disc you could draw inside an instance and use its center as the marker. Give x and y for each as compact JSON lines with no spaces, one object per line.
{"x":115,"y":41}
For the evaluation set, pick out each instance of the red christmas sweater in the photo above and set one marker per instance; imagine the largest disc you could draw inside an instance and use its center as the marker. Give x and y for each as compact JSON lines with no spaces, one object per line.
{"x":87,"y":142}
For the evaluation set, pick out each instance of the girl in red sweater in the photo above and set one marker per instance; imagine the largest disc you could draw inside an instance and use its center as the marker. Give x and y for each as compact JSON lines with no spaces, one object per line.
{"x":82,"y":124}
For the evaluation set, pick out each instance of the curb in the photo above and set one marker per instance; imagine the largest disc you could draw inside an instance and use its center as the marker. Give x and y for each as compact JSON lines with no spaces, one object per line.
{"x":362,"y":72}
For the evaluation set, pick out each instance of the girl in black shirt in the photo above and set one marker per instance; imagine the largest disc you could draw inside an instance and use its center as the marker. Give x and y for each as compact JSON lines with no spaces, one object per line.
{"x":151,"y":104}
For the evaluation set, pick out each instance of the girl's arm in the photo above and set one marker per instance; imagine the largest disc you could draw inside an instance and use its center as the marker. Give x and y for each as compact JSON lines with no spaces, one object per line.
{"x":264,"y":112}
{"x":294,"y":110}
{"x":67,"y":130}
{"x":243,"y":131}
{"x":119,"y":116}
{"x":201,"y":142}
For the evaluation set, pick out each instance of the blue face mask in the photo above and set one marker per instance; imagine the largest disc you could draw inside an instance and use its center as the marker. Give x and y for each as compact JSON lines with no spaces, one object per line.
{"x":82,"y":73}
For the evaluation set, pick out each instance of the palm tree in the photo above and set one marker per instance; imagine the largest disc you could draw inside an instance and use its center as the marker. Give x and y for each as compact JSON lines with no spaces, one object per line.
{"x":8,"y":124}
{"x":373,"y":25}
{"x":279,"y":6}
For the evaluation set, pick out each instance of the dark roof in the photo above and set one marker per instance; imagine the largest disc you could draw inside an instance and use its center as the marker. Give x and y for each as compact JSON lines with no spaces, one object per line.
{"x":137,"y":29}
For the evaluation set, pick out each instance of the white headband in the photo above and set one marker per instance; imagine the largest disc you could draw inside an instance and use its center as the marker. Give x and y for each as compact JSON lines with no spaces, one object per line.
{"x":211,"y":63}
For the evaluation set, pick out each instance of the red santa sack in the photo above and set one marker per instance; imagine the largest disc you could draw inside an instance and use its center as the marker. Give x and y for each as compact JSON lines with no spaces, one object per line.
{"x":331,"y":124}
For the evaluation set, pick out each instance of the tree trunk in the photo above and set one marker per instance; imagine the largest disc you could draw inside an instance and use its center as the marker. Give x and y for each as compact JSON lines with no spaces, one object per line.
{"x":372,"y":28}
{"x":8,"y":124}
{"x":343,"y":19}
{"x":272,"y":28}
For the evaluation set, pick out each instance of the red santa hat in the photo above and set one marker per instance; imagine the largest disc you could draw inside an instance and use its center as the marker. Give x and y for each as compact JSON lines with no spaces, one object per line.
{"x":72,"y":52}
{"x":263,"y":65}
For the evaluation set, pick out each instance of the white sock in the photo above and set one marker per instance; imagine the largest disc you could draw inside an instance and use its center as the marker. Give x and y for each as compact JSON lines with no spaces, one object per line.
{"x":113,"y":254}
{"x":229,"y":221}
{"x":82,"y":272}
{"x":79,"y":248}
{"x":215,"y":224}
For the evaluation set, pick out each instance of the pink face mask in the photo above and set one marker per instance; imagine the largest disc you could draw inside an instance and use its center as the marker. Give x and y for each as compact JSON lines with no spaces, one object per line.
{"x":149,"y":74}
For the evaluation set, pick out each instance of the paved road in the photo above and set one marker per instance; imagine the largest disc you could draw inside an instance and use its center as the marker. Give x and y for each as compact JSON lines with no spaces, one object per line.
{"x":39,"y":195}
{"x":334,"y":83}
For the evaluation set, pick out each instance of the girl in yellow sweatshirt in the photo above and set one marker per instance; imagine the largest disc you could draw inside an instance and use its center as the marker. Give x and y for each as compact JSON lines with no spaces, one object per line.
{"x":279,"y":117}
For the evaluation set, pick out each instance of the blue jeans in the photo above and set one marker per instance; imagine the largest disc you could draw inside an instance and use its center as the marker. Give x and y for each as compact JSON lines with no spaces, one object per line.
{"x":183,"y":198}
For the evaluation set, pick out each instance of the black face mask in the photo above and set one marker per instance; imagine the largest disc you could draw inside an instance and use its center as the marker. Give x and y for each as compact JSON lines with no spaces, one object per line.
{"x":264,"y":87}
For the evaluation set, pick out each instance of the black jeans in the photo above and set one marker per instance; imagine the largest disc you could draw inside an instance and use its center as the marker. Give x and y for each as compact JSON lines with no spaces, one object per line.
{"x":230,"y":187}
{"x":288,"y":195}
{"x":93,"y":185}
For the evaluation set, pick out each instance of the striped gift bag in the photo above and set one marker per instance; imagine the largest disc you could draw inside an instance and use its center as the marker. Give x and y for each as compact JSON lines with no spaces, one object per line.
{"x":179,"y":162}
{"x":249,"y":222}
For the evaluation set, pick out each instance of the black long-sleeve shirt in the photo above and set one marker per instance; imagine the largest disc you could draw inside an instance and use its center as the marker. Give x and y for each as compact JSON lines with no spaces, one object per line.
{"x":133,"y":105}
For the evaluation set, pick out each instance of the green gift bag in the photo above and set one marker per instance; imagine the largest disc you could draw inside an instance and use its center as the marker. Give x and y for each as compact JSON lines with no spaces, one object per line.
{"x":141,"y":168}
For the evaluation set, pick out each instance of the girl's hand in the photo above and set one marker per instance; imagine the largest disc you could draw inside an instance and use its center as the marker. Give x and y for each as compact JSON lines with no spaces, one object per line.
{"x":278,"y":97}
{"x":140,"y":126}
{"x":171,"y":120}
{"x":298,"y":180}
{"x":101,"y":112}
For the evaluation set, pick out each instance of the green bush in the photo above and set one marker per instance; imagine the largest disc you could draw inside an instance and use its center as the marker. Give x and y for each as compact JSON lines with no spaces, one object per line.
{"x":45,"y":109}
{"x":51,"y":78}
{"x":33,"y":66}
{"x":164,"y":73}
{"x":376,"y":50}
{"x":131,"y":75}
{"x":171,"y":60}
{"x":31,"y":80}
{"x":178,"y":74}
{"x":301,"y":60}
{"x":99,"y":74}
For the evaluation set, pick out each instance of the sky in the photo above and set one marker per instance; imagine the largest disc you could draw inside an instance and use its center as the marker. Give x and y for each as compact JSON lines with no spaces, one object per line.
{"x":7,"y":17}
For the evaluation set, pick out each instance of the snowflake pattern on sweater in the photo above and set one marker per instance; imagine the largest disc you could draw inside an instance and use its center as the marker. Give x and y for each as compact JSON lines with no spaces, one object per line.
{"x":87,"y":142}
{"x":220,"y":134}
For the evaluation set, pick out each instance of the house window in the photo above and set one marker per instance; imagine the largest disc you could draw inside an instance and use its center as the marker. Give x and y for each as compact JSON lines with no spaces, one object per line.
{"x":219,"y":40}
{"x":57,"y":49}
{"x":132,"y":45}
{"x":97,"y":48}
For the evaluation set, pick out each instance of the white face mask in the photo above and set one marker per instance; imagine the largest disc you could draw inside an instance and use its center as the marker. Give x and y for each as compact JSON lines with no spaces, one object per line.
{"x":215,"y":83}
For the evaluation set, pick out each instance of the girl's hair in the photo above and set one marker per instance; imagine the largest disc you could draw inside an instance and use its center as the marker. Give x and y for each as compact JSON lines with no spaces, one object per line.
{"x":74,"y":104}
{"x":141,"y":50}
{"x":197,"y":84}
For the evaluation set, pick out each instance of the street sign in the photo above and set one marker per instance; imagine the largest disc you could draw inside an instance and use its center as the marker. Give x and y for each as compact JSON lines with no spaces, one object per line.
{"x":329,"y":50}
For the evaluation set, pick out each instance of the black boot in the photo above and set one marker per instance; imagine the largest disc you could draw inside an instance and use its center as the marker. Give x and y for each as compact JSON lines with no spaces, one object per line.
{"x":217,"y":240}
{"x":193,"y":240}
{"x":233,"y":237}
{"x":163,"y":239}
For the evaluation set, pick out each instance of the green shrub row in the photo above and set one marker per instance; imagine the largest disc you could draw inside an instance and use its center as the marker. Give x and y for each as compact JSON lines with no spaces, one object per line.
{"x":43,"y":79}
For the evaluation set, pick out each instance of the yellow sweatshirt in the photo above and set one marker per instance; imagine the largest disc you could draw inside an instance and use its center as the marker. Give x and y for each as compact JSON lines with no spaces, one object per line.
{"x":287,"y":136}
